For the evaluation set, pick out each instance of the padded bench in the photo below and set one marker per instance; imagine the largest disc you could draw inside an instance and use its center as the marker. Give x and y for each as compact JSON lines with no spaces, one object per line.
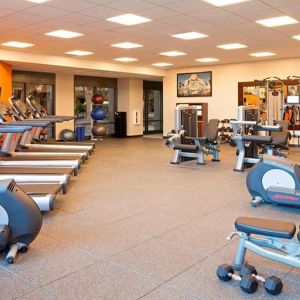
{"x":186,"y":148}
{"x":280,"y":229}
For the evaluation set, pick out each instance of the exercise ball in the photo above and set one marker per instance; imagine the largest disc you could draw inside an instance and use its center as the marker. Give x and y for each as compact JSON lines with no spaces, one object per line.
{"x":99,"y":130}
{"x":98,"y":114}
{"x":43,"y":132}
{"x":67,"y":135}
{"x":98,"y":99}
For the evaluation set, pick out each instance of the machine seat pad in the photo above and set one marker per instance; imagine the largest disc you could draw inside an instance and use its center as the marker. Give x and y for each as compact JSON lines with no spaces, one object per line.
{"x":280,"y":229}
{"x":257,"y":139}
{"x":186,"y":148}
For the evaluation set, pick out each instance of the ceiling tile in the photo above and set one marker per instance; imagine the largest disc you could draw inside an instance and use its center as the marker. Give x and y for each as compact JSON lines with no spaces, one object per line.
{"x":72,"y":6}
{"x":129,"y":6}
{"x":45,"y":11}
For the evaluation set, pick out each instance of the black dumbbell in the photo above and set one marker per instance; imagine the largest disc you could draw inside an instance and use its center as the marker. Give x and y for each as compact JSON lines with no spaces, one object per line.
{"x":248,"y":283}
{"x":273,"y":285}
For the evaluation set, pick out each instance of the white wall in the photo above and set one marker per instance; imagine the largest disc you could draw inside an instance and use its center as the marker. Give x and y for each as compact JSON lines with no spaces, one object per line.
{"x":130,"y":98}
{"x":225,"y":78}
{"x":64,"y":100}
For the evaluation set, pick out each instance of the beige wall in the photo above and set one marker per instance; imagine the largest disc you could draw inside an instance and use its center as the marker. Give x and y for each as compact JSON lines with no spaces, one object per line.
{"x":223,"y":103}
{"x":64,"y":97}
{"x":130,"y":99}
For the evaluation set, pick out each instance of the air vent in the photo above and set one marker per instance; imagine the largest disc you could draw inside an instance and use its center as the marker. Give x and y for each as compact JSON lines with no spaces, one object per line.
{"x":11,"y":186}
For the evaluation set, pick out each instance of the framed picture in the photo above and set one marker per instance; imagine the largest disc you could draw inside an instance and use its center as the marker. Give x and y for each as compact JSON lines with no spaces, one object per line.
{"x":293,"y":90}
{"x":198,"y":84}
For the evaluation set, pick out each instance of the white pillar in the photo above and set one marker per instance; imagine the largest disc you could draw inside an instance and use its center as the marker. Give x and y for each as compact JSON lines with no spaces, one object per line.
{"x":64,"y":101}
{"x":130,"y":100}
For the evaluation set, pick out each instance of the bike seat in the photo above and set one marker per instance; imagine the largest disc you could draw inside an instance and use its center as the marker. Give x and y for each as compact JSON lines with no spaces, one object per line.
{"x":186,"y":148}
{"x":274,"y":228}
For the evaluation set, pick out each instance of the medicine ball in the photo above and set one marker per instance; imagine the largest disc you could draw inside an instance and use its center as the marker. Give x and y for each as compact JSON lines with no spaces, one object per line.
{"x":99,"y":130}
{"x":98,"y":114}
{"x":98,"y":99}
{"x":67,"y":135}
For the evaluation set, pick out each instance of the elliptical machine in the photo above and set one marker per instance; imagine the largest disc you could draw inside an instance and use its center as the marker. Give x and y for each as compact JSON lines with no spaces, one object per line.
{"x":275,"y":180}
{"x":20,"y":220}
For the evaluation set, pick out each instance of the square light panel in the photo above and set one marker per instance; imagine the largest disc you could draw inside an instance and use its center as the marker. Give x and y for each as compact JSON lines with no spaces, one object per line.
{"x":277,"y":21}
{"x":17,"y":44}
{"x":190,"y":35}
{"x":224,"y":2}
{"x":64,"y":34}
{"x":232,"y":46}
{"x":129,"y":19}
{"x":262,"y":54}
{"x":127,"y":45}
{"x":79,"y":53}
{"x":125,"y":59}
{"x":172,"y":53}
{"x":296,"y":37}
{"x":162,"y":64}
{"x":38,"y":1}
{"x":207,"y":59}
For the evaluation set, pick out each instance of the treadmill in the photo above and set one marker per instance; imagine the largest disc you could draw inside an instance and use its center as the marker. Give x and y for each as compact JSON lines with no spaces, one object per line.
{"x":24,"y":112}
{"x":40,"y":112}
{"x":11,"y":140}
{"x":44,"y":195}
{"x":65,"y":159}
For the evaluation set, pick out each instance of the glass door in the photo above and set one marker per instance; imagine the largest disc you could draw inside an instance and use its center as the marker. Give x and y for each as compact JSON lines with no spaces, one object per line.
{"x":153,"y":108}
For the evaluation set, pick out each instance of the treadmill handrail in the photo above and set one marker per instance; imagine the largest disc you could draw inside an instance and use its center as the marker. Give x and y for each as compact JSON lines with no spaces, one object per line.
{"x":14,"y":129}
{"x":32,"y":123}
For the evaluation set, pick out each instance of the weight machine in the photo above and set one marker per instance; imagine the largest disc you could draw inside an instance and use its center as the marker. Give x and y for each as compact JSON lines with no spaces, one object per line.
{"x":274,"y":99}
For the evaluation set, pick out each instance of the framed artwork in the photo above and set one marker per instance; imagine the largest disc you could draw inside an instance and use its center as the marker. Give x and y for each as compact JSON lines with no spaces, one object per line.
{"x":198,"y":84}
{"x":293,"y":90}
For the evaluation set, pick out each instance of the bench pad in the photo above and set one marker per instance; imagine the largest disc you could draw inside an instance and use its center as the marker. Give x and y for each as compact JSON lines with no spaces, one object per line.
{"x":186,"y":148}
{"x":280,"y":229}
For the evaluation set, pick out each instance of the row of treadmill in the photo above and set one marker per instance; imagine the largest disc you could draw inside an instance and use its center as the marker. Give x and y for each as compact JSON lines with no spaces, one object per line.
{"x":32,"y":172}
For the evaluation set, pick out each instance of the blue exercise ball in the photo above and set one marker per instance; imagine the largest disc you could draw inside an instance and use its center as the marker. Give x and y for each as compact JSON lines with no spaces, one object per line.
{"x":98,"y":114}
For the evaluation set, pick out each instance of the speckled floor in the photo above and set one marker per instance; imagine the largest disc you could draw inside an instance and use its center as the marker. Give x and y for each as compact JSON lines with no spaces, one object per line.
{"x":135,"y":227}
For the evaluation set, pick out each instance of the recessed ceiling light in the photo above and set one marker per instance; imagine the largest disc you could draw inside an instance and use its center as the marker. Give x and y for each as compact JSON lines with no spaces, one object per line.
{"x":277,"y":21}
{"x":79,"y":52}
{"x":190,"y":35}
{"x":64,"y":34}
{"x":126,"y":59}
{"x":128,"y":19}
{"x":162,"y":64}
{"x":38,"y":1}
{"x":296,"y":37}
{"x":127,"y":45}
{"x":224,"y":2}
{"x":232,"y":46}
{"x":17,"y":44}
{"x":172,"y":53}
{"x":262,"y":54}
{"x":207,"y":59}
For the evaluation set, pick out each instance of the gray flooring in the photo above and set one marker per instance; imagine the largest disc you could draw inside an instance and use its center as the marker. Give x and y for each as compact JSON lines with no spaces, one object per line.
{"x":135,"y":227}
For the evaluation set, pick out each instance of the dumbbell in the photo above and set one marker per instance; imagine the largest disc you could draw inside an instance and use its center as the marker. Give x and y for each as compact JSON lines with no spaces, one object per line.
{"x":273,"y":285}
{"x":248,"y":283}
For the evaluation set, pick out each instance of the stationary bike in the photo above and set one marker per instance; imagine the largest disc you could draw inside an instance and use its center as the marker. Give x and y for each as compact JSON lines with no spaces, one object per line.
{"x":20,"y":220}
{"x":275,"y":180}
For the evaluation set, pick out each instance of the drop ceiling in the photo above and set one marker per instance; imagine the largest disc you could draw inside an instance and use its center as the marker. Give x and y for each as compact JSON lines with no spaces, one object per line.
{"x":28,"y":22}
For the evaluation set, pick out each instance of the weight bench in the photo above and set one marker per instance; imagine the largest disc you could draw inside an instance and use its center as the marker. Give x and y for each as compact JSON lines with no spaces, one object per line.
{"x":208,"y":144}
{"x":280,"y":142}
{"x":272,"y":235}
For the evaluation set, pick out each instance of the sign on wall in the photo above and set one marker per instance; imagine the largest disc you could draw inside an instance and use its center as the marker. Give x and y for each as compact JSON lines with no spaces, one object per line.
{"x":197,"y":84}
